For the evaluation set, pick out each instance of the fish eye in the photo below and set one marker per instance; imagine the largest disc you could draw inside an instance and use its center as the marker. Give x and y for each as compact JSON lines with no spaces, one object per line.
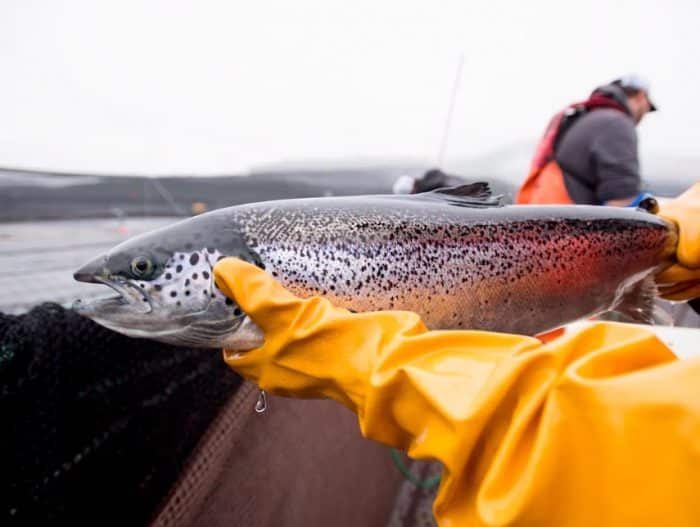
{"x":142,"y":267}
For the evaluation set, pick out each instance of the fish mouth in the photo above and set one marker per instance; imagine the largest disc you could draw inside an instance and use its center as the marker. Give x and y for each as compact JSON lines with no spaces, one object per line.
{"x":129,"y":297}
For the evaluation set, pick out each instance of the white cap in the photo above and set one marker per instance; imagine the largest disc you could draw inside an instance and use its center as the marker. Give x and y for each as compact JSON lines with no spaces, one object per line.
{"x":636,"y":82}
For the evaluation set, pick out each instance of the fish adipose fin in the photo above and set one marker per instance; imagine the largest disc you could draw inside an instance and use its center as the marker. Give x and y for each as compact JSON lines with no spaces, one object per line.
{"x":638,"y":305}
{"x":472,"y":195}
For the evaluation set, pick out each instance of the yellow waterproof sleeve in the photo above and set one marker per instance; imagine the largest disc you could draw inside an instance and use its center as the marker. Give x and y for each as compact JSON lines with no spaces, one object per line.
{"x":682,"y":280}
{"x":597,"y":428}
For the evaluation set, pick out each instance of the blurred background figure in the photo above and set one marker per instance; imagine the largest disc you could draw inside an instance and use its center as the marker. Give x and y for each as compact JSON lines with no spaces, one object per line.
{"x":430,"y":180}
{"x":588,"y":153}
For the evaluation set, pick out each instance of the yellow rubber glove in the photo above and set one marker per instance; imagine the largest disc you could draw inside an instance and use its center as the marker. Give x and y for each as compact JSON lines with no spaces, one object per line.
{"x":682,"y":280}
{"x":599,"y":427}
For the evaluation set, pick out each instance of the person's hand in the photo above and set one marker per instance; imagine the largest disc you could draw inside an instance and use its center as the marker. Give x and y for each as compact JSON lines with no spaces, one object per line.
{"x":682,"y":280}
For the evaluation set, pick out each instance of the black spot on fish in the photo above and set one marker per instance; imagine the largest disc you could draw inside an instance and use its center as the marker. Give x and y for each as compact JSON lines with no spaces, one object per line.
{"x":187,"y":292}
{"x":194,"y":276}
{"x":229,"y":302}
{"x":178,"y":269}
{"x":173,"y":293}
{"x":237,"y":312}
{"x":168,"y":276}
{"x":158,"y":287}
{"x":205,"y":275}
{"x":187,"y":282}
{"x":142,"y":285}
{"x":204,"y":292}
{"x":194,"y":258}
{"x":211,"y":250}
{"x":182,"y":257}
{"x":178,"y":303}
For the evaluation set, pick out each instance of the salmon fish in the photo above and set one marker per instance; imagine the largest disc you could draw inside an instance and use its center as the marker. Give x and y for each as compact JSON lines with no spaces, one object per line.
{"x":455,"y":256}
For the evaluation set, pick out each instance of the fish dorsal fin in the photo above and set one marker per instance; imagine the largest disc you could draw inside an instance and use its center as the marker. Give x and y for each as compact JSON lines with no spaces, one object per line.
{"x":473,"y":195}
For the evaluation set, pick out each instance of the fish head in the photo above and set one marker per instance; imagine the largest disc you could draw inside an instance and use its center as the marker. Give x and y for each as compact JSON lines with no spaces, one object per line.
{"x":166,"y":291}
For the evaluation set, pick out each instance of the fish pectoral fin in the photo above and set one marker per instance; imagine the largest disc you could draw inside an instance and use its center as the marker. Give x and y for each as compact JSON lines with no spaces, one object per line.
{"x":473,"y":195}
{"x":638,"y":304}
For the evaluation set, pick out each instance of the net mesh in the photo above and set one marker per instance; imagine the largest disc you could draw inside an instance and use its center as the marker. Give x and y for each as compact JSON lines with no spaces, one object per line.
{"x":97,"y":425}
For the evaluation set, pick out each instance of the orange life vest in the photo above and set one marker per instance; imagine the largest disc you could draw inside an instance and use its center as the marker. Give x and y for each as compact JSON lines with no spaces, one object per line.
{"x":544,"y":186}
{"x":545,"y":183}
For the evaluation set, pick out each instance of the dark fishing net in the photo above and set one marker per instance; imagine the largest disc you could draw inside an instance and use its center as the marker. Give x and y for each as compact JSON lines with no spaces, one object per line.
{"x":695,"y":305}
{"x":95,"y":425}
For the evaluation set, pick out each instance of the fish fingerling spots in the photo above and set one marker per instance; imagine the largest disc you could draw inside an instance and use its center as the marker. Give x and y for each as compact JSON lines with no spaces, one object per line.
{"x":173,"y":293}
{"x":205,"y":275}
{"x":158,"y":287}
{"x":195,"y":276}
{"x":187,"y":292}
{"x":237,"y":312}
{"x":178,"y":269}
{"x":229,"y":302}
{"x":168,"y":276}
{"x":194,"y":258}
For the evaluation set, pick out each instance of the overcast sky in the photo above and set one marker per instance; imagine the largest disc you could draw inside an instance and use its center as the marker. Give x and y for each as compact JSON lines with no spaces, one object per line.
{"x":203,"y":86}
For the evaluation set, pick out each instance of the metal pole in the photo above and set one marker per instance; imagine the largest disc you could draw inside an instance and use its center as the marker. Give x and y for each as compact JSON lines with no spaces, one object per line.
{"x":450,"y":111}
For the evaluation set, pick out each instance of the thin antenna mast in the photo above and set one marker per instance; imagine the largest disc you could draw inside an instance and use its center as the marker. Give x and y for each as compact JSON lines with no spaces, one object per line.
{"x":450,"y":111}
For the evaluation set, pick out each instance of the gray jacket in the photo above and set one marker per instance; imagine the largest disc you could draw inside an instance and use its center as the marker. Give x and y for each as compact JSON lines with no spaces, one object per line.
{"x":598,"y":154}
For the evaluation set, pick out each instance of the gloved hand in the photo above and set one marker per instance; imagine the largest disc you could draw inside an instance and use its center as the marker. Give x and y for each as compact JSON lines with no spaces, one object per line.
{"x":682,"y":280}
{"x":598,"y":427}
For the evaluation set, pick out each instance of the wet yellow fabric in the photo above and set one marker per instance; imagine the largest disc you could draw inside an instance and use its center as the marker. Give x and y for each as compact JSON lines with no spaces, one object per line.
{"x":598,"y":428}
{"x":682,"y":280}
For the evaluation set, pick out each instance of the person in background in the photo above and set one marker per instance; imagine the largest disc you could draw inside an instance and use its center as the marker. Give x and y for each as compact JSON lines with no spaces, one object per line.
{"x":430,"y":180}
{"x":588,"y":153}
